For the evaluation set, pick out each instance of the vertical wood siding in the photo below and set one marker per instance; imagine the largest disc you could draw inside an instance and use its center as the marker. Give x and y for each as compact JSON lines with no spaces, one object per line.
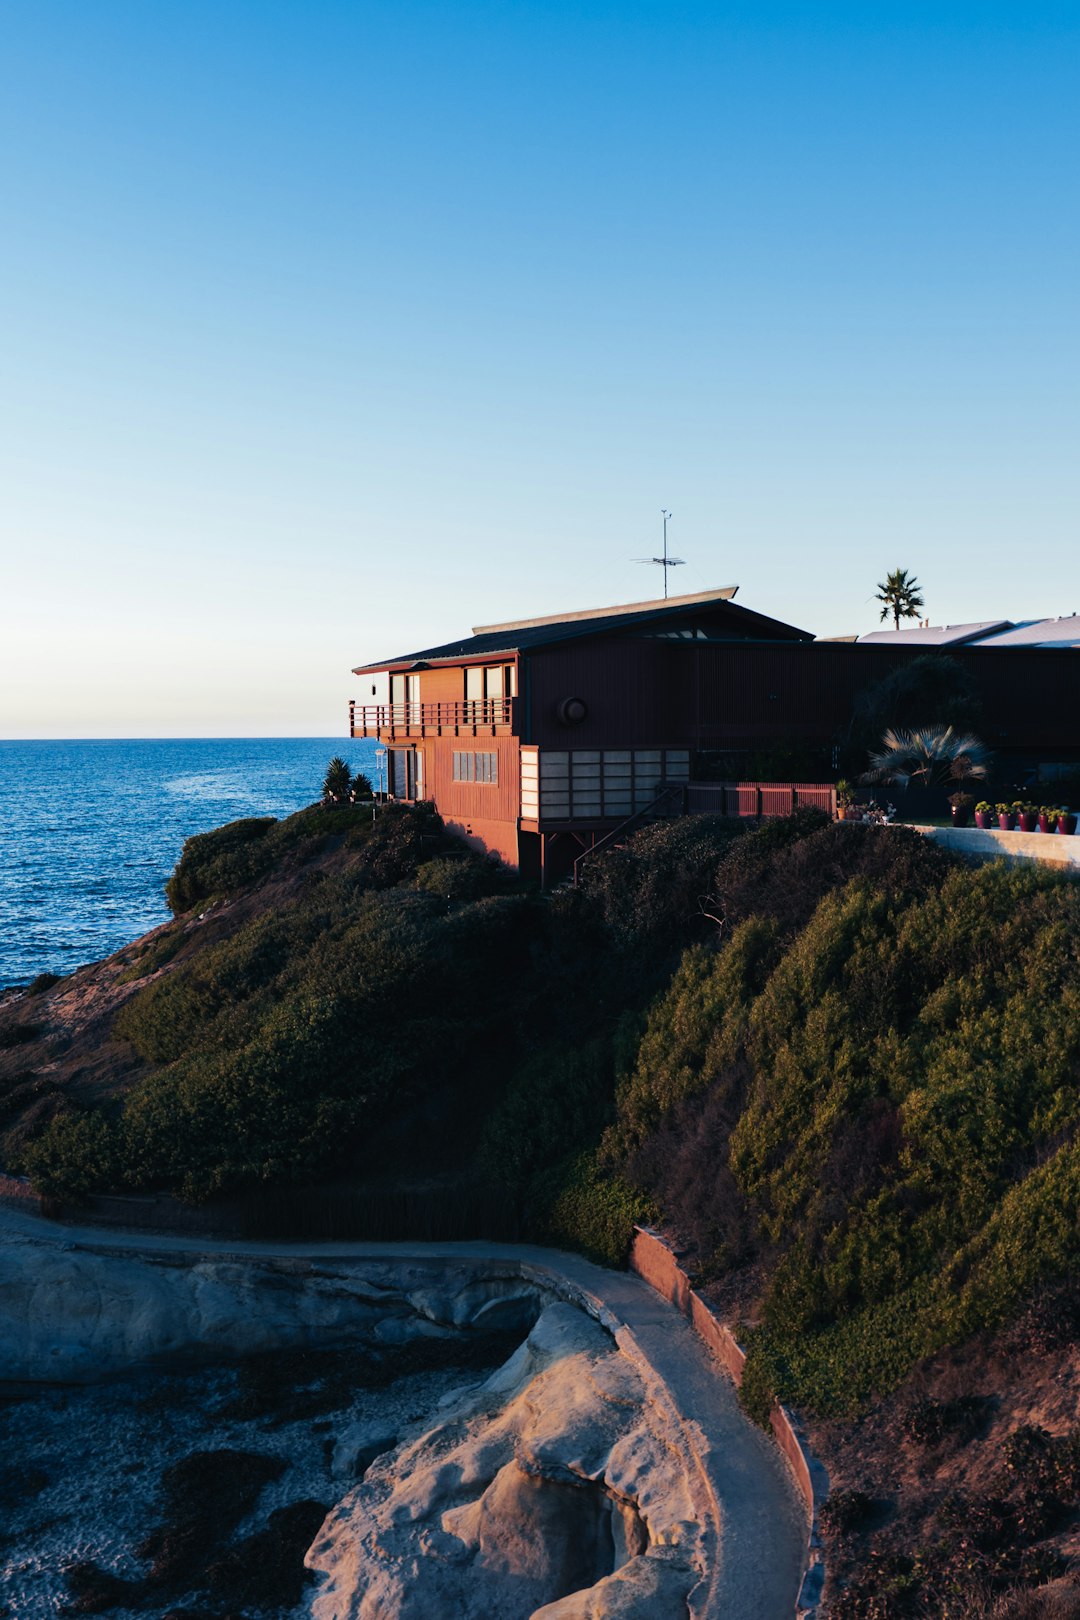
{"x":486,"y":801}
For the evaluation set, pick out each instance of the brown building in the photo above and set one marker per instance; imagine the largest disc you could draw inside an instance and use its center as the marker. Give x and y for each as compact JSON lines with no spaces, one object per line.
{"x":535,"y":737}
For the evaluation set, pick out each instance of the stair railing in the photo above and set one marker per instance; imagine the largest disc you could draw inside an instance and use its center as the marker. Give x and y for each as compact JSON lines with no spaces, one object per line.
{"x":667,"y":791}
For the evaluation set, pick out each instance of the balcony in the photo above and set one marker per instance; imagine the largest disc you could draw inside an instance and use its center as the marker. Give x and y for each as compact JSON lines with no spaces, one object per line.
{"x":479,"y":717}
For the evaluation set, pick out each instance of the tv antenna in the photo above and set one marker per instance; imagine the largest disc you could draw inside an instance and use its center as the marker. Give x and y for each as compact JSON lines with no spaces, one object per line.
{"x":665,"y":562}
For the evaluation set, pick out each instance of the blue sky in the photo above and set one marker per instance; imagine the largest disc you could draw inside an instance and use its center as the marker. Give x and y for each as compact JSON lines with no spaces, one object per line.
{"x":330,"y":329}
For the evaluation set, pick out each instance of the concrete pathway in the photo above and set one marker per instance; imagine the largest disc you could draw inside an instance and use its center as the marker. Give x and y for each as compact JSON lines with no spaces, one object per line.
{"x":754,"y":1518}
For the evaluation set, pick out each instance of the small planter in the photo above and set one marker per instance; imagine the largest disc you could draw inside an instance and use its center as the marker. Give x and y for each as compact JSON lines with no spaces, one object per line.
{"x":1007,"y":822}
{"x":1028,"y":821}
{"x":1046,"y":825}
{"x":960,"y":818}
{"x":1066,"y":824}
{"x":986,"y":820}
{"x":850,"y":812}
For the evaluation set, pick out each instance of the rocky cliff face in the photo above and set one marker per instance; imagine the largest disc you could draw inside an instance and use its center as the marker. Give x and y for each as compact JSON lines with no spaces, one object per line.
{"x":554,"y":1491}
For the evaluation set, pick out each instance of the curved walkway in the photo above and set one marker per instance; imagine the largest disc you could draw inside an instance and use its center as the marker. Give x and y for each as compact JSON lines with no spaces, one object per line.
{"x":754,"y":1518}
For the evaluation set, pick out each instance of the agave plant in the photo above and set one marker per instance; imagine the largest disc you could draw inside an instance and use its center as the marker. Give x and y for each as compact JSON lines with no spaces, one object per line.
{"x":928,"y":757}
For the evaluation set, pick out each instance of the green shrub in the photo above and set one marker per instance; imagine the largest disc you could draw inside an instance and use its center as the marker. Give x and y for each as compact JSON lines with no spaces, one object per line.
{"x":74,"y":1155}
{"x":653,"y":887}
{"x":215,"y":862}
{"x":595,"y":1211}
{"x":462,"y":877}
{"x":695,"y":1031}
{"x":558,"y":1096}
{"x":757,"y":1393}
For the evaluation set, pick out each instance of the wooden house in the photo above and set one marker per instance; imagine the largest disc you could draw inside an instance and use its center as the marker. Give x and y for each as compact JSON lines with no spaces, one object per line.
{"x":535,"y":737}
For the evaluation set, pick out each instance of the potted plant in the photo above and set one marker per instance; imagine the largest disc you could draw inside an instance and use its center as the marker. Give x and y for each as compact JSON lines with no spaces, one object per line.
{"x":1006,"y":814}
{"x":1066,"y":821}
{"x":962,"y":805}
{"x":845,"y":800}
{"x":985,"y":814}
{"x":1047,"y":818}
{"x":1028,"y":817}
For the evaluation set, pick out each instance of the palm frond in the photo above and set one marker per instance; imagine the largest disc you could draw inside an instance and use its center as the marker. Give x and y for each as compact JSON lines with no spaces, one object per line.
{"x":928,"y":757}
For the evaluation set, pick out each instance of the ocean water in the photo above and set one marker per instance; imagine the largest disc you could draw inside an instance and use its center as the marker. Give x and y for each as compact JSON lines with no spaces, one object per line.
{"x":89,"y":831}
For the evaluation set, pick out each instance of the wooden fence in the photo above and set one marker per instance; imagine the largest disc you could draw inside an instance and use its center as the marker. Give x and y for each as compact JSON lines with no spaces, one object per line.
{"x":758,"y":798}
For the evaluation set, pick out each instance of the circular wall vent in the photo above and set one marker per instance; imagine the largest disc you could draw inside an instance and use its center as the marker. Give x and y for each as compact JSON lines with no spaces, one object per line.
{"x":572,"y":711}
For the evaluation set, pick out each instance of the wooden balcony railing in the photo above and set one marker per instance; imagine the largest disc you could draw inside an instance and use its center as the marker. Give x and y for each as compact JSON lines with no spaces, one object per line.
{"x":479,"y":717}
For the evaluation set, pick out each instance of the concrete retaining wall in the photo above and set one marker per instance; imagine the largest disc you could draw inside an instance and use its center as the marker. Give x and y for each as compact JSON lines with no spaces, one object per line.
{"x":986,"y":844}
{"x":653,"y":1261}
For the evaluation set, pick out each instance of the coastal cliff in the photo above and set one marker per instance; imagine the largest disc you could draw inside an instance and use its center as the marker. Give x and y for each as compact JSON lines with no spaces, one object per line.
{"x":835,"y":1066}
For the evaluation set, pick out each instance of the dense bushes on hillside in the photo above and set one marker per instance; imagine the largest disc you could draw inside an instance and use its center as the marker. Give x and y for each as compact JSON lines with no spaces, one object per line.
{"x":388,"y":847}
{"x":827,"y":1055}
{"x":400,"y":1008}
{"x":882,"y":1105}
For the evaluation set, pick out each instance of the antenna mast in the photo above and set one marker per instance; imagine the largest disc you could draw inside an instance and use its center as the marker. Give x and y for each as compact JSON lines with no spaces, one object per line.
{"x":665,"y":562}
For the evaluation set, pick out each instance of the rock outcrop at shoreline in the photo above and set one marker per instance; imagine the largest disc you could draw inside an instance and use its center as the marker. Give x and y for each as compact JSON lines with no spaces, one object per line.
{"x":553,"y":1491}
{"x":78,"y":1314}
{"x":603,"y":1471}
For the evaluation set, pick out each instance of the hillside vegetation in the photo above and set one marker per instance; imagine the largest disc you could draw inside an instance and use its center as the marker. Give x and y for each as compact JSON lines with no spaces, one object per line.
{"x":843,"y":1069}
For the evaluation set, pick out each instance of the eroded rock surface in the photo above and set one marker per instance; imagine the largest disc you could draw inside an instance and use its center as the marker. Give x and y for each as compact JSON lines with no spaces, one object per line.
{"x":75,"y":1314}
{"x":557,"y":1490}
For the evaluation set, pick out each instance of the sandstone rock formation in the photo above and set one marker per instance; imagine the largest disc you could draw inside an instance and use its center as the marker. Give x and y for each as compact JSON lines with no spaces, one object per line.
{"x":75,"y":1314}
{"x":557,"y":1490}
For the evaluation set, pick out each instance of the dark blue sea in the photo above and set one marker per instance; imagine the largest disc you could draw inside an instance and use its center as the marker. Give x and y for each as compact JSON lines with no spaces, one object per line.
{"x":89,"y":831}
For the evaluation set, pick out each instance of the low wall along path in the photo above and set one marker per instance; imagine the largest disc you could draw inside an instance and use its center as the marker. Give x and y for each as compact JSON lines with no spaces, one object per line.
{"x":651,"y":1258}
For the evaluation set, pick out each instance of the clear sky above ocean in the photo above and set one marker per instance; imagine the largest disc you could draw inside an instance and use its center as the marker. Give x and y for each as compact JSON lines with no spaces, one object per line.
{"x":334,"y":328}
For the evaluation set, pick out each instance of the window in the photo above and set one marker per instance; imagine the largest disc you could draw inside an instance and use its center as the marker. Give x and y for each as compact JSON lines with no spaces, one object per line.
{"x":490,"y":681}
{"x":475,"y":767}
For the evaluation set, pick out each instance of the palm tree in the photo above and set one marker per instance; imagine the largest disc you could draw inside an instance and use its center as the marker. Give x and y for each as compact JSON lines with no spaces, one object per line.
{"x":900,"y":596}
{"x":928,"y":757}
{"x":337,"y":780}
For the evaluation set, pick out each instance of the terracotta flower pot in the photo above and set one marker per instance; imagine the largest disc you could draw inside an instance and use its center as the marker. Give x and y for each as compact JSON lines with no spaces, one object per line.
{"x":1007,"y":822}
{"x":1028,"y":823}
{"x":1066,"y":824}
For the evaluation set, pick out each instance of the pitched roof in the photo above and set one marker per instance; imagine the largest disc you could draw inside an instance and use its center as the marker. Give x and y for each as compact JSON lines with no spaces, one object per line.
{"x":523,"y":634}
{"x":1063,"y":632}
{"x":936,"y":635}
